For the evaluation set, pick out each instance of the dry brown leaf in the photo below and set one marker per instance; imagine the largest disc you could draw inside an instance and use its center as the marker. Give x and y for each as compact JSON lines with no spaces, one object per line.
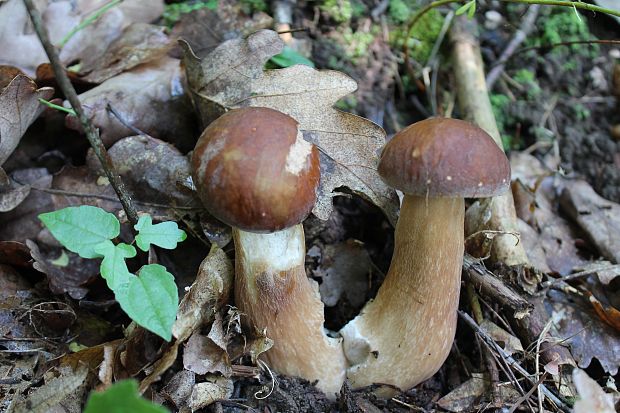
{"x":207,"y":294}
{"x":579,"y":327}
{"x":592,"y":398}
{"x":139,"y":43}
{"x":149,"y":97}
{"x":511,"y":344}
{"x":201,"y":356}
{"x":19,"y":107}
{"x":597,"y":216}
{"x":344,"y":271}
{"x":179,"y":388}
{"x":53,"y":391}
{"x":607,"y":313}
{"x":151,"y":169}
{"x":232,"y":76}
{"x":214,"y":389}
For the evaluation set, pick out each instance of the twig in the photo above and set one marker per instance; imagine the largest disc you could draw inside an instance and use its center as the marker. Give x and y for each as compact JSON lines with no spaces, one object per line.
{"x":126,"y":124}
{"x":513,"y":363}
{"x":520,"y":35}
{"x":609,"y":267}
{"x":91,"y":133}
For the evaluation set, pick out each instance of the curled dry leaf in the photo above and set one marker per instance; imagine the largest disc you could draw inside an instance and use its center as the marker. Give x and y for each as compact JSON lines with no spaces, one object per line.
{"x":179,"y":388}
{"x":511,"y":344}
{"x":149,"y":97}
{"x":208,"y":293}
{"x":232,"y":76}
{"x":592,"y":398}
{"x":202,"y":355}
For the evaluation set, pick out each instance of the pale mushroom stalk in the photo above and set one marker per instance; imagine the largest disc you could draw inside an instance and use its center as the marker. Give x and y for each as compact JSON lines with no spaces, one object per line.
{"x":254,"y":171}
{"x":405,"y":334}
{"x":272,"y":286}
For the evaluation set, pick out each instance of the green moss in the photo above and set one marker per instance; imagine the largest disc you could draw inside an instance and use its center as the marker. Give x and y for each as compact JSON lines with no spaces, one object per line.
{"x":173,"y":12}
{"x":251,"y":6}
{"x":357,"y":43}
{"x":527,"y":78}
{"x":399,"y":11}
{"x":500,"y":103}
{"x":339,"y":10}
{"x":423,"y":36}
{"x":563,"y":24}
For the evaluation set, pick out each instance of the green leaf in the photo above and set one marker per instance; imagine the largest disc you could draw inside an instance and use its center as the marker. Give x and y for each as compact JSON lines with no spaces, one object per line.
{"x":467,"y":8}
{"x":113,"y":267}
{"x":152,"y":300}
{"x":80,"y":229}
{"x":121,"y":397}
{"x":164,"y":235}
{"x":289,"y":57}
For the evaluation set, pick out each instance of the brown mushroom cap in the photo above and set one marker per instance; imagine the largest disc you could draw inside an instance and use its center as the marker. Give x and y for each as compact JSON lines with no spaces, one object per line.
{"x":443,"y":157}
{"x":254,"y":171}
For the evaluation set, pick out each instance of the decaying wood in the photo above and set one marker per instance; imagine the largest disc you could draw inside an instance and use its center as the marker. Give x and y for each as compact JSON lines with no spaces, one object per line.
{"x":493,"y":288}
{"x":475,"y":106}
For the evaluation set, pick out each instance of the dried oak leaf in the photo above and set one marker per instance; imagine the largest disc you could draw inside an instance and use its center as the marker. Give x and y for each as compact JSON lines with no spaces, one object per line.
{"x":592,"y":398}
{"x":232,"y":76}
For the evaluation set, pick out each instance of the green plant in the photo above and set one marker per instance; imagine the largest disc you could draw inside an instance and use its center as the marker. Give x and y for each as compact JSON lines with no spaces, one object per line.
{"x":339,"y":10}
{"x":149,"y":298}
{"x":173,"y":12}
{"x":421,"y":39}
{"x":121,"y":397}
{"x":288,"y":57}
{"x":527,"y":78}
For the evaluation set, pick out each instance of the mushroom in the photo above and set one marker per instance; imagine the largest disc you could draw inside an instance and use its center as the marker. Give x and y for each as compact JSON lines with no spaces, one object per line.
{"x":404,"y":335}
{"x":254,"y":171}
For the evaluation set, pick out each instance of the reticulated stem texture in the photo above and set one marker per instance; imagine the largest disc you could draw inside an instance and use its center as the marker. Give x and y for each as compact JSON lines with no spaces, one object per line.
{"x":273,"y":291}
{"x":404,"y":335}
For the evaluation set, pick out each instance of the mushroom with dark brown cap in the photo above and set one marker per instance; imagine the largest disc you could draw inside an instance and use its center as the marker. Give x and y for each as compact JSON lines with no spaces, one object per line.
{"x":254,"y":171}
{"x":404,"y":335}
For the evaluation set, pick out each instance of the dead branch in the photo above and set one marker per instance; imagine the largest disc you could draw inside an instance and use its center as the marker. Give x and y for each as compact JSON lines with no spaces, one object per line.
{"x":92,"y":134}
{"x":475,"y":105}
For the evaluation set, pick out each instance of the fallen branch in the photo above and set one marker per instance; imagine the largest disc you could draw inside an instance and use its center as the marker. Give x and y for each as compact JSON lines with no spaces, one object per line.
{"x":92,"y":134}
{"x":475,"y":106}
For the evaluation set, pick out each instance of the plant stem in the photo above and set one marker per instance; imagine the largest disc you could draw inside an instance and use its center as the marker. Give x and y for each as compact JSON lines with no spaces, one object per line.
{"x":94,"y":16}
{"x":92,"y":134}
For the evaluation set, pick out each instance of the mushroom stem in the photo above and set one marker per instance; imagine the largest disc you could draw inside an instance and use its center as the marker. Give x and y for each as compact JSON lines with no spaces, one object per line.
{"x":404,"y":335}
{"x":273,"y":291}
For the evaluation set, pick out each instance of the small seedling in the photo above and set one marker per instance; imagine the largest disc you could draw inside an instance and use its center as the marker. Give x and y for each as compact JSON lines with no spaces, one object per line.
{"x":121,"y":397}
{"x":149,"y":298}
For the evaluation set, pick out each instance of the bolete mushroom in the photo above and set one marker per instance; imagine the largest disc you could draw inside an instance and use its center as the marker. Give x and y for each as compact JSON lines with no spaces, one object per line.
{"x":404,"y":335}
{"x":254,"y":171}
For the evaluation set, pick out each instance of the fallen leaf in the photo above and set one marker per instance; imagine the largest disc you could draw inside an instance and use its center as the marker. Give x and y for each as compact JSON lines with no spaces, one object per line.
{"x":19,"y":107}
{"x":607,"y":313}
{"x":510,"y":343}
{"x":348,"y":144}
{"x":592,"y":398}
{"x":580,"y":328}
{"x":214,"y":389}
{"x":205,"y":29}
{"x":597,"y":216}
{"x":207,"y":294}
{"x":53,"y":391}
{"x":151,"y":169}
{"x":149,"y":97}
{"x":201,"y":356}
{"x":344,"y":271}
{"x":179,"y":388}
{"x":138,"y":44}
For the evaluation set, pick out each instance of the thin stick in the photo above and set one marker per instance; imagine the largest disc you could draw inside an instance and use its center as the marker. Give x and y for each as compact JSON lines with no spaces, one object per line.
{"x":512,"y":362}
{"x":92,"y":134}
{"x":608,"y":267}
{"x":518,"y":38}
